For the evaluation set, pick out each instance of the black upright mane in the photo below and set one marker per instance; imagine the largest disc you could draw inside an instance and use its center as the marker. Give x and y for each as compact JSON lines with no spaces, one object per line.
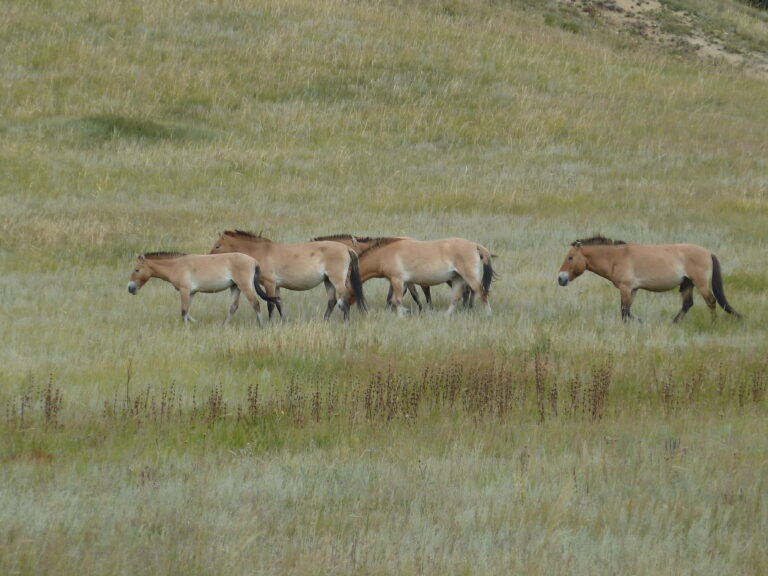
{"x":379,"y":243}
{"x":162,"y":255}
{"x":598,"y":240}
{"x":344,"y":237}
{"x":245,"y":235}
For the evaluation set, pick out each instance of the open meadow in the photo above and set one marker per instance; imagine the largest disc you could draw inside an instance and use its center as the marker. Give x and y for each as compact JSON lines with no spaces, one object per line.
{"x":549,"y":438}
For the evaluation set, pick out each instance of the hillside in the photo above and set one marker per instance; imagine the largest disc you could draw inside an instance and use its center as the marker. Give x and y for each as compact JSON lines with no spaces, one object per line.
{"x":547,"y":438}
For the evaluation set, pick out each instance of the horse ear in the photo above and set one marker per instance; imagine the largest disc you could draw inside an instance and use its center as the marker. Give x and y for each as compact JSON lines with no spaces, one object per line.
{"x":141,"y":258}
{"x":577,"y":244}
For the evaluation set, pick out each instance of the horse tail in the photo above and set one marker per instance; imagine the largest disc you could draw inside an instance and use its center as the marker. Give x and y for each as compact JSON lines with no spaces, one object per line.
{"x":488,"y":272}
{"x":717,"y":287}
{"x":357,"y":284}
{"x":259,"y":290}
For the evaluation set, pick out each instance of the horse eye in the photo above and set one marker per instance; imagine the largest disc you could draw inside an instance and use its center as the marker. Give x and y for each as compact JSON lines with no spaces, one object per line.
{"x":570,"y":257}
{"x":136,"y":270}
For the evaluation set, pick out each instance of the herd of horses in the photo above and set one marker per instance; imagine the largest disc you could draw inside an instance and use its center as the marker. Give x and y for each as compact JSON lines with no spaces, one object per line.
{"x":258,"y":267}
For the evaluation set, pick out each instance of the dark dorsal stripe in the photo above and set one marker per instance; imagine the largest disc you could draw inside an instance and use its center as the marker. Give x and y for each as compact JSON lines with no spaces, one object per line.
{"x":379,"y":243}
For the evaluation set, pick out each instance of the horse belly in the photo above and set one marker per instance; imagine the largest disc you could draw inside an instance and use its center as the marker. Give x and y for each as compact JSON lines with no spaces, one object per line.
{"x":306,"y":280}
{"x":429,"y":276}
{"x":661,"y":281}
{"x":216,"y":284}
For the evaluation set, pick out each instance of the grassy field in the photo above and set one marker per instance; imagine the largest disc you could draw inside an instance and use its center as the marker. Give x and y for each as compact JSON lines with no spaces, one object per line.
{"x":548,"y":439}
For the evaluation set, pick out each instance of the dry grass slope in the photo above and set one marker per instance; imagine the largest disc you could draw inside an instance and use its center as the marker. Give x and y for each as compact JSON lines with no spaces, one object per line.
{"x":547,"y":439}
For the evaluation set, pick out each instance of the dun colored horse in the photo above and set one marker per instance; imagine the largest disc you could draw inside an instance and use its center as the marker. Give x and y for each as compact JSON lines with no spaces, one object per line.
{"x":300,"y":267}
{"x":632,"y":267}
{"x":193,"y":273}
{"x":428,"y":263}
{"x":361,"y":243}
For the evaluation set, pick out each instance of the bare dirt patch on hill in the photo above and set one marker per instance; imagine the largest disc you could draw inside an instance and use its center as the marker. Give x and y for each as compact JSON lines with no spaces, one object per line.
{"x":675,"y":29}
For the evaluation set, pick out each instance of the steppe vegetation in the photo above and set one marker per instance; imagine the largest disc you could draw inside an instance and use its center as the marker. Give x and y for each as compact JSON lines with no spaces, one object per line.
{"x":549,"y":438}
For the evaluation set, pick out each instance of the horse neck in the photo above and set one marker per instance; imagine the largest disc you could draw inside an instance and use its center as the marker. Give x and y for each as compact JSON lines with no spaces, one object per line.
{"x":257,"y":249}
{"x":361,"y":246}
{"x":163,"y":269}
{"x":370,"y":266}
{"x":600,"y":259}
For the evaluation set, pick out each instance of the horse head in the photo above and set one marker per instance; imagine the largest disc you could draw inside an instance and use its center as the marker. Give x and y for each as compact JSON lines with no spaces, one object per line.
{"x":140,"y":275}
{"x":573,"y":266}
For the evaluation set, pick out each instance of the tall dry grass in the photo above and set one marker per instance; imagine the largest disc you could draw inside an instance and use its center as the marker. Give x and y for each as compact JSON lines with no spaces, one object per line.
{"x":550,"y":438}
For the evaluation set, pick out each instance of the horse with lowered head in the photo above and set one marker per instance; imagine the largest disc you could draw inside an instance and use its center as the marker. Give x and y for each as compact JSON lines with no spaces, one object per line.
{"x":404,"y":261}
{"x":633,"y":267}
{"x":360,"y":244}
{"x":300,"y":267}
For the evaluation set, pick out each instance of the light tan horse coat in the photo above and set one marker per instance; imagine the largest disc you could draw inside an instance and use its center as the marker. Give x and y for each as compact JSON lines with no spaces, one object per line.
{"x":428,"y":263}
{"x":300,"y":267}
{"x":361,"y":243}
{"x":193,"y":273}
{"x":633,"y":267}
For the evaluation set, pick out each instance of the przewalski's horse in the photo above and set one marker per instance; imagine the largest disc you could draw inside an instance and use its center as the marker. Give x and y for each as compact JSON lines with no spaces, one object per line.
{"x":428,"y":263}
{"x":360,"y":244}
{"x":300,"y":267}
{"x":632,"y":267}
{"x":193,"y":273}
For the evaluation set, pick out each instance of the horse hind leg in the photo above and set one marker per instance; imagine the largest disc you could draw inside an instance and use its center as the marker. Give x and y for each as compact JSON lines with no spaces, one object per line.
{"x":415,"y":295}
{"x":234,"y":302}
{"x":686,"y":291}
{"x":338,"y":291}
{"x":331,"y":291}
{"x":250,"y":294}
{"x":709,"y":298}
{"x":457,"y":291}
{"x":470,"y":290}
{"x":428,"y":295}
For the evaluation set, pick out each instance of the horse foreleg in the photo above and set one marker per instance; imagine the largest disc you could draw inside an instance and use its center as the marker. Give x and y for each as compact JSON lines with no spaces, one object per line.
{"x":398,"y":289}
{"x":186,"y":301}
{"x":627,"y":297}
{"x":234,"y":302}
{"x":273,"y":291}
{"x":278,"y":304}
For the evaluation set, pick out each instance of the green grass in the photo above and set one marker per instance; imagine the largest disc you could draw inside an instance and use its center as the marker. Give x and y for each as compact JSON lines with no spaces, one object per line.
{"x":134,"y":444}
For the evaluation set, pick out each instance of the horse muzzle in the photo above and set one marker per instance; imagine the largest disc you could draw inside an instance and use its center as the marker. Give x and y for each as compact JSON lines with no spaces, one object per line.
{"x":563,"y":279}
{"x":132,"y":288}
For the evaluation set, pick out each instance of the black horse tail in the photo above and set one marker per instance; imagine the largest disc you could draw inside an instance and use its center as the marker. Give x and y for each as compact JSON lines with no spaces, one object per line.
{"x":259,"y":290}
{"x":357,"y":284}
{"x":488,"y":272}
{"x":717,"y":288}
